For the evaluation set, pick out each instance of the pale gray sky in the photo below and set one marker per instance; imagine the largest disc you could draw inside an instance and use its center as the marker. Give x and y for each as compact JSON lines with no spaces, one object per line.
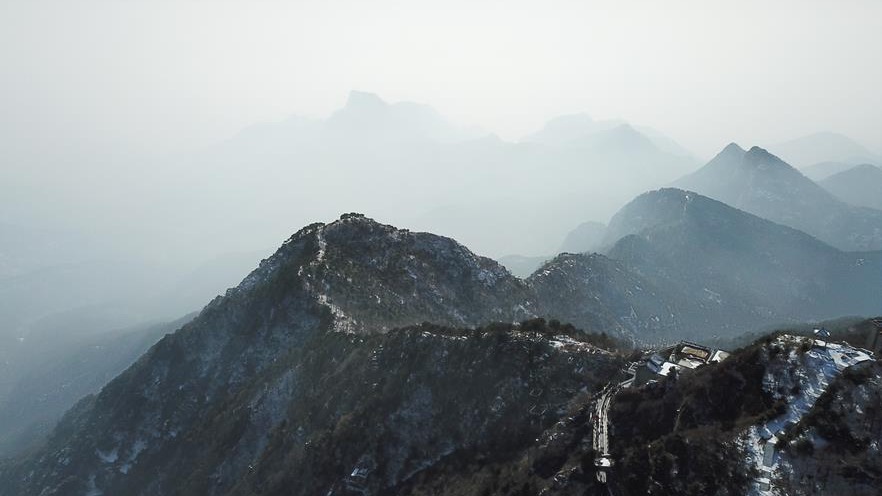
{"x":170,"y":75}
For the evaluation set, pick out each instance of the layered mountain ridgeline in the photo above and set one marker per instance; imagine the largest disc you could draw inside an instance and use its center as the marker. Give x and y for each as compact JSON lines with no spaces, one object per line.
{"x":722,"y":271}
{"x":822,"y":170}
{"x":786,"y":412}
{"x":764,"y":185}
{"x":860,"y":185}
{"x":460,"y":182}
{"x":315,"y":374}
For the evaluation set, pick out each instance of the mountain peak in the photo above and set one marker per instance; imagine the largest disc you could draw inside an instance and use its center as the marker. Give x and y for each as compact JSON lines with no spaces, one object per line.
{"x":733,"y":149}
{"x":757,"y":156}
{"x":373,"y":277}
{"x":364,"y":100}
{"x":761,"y":183}
{"x":756,"y":151}
{"x":732,"y":153}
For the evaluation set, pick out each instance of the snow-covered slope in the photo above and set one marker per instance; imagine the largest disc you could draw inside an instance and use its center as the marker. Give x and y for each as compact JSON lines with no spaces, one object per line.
{"x":797,"y":380}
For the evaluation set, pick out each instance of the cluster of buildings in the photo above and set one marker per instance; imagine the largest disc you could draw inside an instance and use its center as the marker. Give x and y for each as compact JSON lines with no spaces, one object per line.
{"x":674,"y":358}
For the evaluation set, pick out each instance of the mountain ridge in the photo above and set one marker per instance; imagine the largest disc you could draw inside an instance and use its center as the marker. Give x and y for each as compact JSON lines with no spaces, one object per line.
{"x":764,"y":185}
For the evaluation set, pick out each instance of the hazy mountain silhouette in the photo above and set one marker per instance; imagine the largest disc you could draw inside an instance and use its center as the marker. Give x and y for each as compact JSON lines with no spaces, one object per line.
{"x":823,"y":170}
{"x":760,"y":183}
{"x":587,"y":236}
{"x":367,"y":117}
{"x":860,"y":185}
{"x":573,"y":129}
{"x":822,"y":147}
{"x":522,"y":266}
{"x":377,"y":156}
{"x":725,"y":269}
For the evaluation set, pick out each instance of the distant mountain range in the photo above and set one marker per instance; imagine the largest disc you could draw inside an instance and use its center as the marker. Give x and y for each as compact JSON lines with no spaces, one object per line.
{"x":724,"y":268}
{"x":586,"y":237}
{"x":860,"y":185}
{"x":760,"y":183}
{"x":579,"y":129}
{"x":361,"y":358}
{"x":823,"y":147}
{"x":378,"y":156}
{"x":823,"y":170}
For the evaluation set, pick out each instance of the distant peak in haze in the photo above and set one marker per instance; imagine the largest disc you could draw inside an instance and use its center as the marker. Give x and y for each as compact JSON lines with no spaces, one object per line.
{"x":823,"y":147}
{"x":578,"y":129}
{"x":756,"y":154}
{"x":367,"y":117}
{"x":759,"y":182}
{"x":364,"y":99}
{"x":624,"y":136}
{"x":732,"y":149}
{"x":735,"y":156}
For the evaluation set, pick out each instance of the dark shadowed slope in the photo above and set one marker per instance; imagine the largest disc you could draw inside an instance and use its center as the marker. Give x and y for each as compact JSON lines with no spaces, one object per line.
{"x":52,"y":377}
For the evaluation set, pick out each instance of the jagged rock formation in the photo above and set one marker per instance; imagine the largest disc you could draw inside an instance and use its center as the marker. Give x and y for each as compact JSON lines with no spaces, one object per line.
{"x":760,"y":183}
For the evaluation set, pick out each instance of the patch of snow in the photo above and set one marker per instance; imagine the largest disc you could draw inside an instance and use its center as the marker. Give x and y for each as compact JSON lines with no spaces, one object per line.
{"x":813,"y":372}
{"x":92,"y":488}
{"x":108,"y":456}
